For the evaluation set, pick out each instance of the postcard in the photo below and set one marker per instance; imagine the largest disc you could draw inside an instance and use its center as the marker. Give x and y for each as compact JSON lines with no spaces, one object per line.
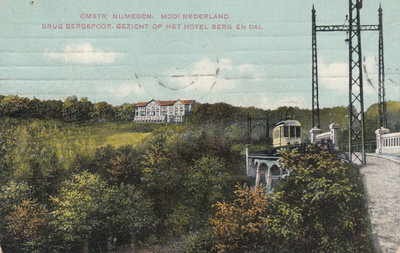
{"x":199,"y":126}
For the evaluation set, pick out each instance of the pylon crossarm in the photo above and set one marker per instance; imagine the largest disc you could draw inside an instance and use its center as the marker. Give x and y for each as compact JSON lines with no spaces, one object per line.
{"x":345,"y":28}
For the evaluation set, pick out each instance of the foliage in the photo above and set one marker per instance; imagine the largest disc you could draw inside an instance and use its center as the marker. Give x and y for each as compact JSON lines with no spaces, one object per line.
{"x":207,"y":182}
{"x":27,"y":227}
{"x":88,"y":211}
{"x":161,"y":179}
{"x":199,"y":241}
{"x":231,"y":122}
{"x":14,"y":106}
{"x":12,"y":195}
{"x":329,"y":193}
{"x":318,"y":208}
{"x":125,"y":112}
{"x":117,"y":166}
{"x":74,"y":110}
{"x":254,"y":222}
{"x":372,"y":119}
{"x":46,"y":141}
{"x":103,"y":111}
{"x":80,"y":209}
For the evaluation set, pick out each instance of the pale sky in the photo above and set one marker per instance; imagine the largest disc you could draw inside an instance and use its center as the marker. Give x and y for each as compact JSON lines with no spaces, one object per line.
{"x":266,"y":68}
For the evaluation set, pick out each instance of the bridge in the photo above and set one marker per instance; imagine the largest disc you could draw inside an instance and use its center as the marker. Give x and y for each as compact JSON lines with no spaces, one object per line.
{"x":381,"y":177}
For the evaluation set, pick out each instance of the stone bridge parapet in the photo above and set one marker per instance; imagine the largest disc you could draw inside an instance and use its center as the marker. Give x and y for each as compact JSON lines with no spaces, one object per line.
{"x":386,"y":142}
{"x":331,"y":137}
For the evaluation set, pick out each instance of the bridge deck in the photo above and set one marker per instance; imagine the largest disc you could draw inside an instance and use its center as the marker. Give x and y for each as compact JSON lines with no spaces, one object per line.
{"x":381,"y":178}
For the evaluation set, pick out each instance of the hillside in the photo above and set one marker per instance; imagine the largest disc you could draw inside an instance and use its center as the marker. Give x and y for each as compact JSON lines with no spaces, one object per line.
{"x":226,"y":117}
{"x":72,"y":186}
{"x":66,"y":140}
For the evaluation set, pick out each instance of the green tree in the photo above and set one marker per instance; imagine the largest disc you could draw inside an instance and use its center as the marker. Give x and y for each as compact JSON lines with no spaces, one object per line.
{"x":27,"y":227}
{"x":207,"y":182}
{"x":161,"y":181}
{"x":36,"y":108}
{"x":125,"y":112}
{"x":122,"y":165}
{"x":11,"y":195}
{"x":103,"y":111}
{"x":74,"y":110}
{"x":133,"y":219}
{"x":81,"y":210}
{"x":70,"y":109}
{"x":52,"y":109}
{"x":14,"y":106}
{"x":88,"y":213}
{"x":125,"y":166}
{"x":254,"y":222}
{"x":329,"y":194}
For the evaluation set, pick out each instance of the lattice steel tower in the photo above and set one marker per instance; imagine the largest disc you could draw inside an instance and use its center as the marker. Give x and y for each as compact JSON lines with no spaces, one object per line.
{"x":381,"y":76}
{"x":356,"y":121}
{"x":315,"y":98}
{"x":356,"y":92}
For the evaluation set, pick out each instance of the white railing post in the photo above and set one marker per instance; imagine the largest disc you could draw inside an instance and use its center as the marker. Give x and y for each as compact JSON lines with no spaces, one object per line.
{"x":379,"y":137}
{"x":333,"y":128}
{"x":313,"y":133}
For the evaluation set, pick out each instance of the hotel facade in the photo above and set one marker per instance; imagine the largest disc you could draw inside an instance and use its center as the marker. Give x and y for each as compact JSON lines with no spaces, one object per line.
{"x":156,"y":111}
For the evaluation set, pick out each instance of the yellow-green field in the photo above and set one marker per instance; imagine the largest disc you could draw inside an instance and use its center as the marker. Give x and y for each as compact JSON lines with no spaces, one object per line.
{"x":37,"y":138}
{"x":124,"y":139}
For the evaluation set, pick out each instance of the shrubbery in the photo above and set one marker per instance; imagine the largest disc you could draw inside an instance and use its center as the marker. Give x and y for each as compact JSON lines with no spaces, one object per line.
{"x":318,"y":208}
{"x":62,"y":192}
{"x":114,"y":197}
{"x":71,"y":110}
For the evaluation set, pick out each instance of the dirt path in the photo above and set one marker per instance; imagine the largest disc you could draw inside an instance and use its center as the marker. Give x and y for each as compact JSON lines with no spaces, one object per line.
{"x":382,"y":182}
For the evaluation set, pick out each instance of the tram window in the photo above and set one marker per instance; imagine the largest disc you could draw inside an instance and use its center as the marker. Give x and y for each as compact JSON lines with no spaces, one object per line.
{"x":298,"y":131}
{"x":292,"y":131}
{"x":286,"y":131}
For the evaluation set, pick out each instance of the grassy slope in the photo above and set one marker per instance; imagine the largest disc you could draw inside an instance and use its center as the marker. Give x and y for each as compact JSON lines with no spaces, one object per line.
{"x":67,"y":140}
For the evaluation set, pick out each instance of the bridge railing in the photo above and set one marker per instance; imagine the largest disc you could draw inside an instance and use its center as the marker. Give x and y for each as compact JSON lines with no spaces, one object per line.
{"x":330,"y":137}
{"x":370,"y":147}
{"x":386,"y":142}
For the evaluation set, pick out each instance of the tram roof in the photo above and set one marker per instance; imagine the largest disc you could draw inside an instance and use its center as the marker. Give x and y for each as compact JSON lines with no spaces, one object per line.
{"x":289,"y":122}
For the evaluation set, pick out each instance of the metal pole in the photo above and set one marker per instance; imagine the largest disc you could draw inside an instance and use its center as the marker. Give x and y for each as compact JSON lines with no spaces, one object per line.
{"x":381,"y":76}
{"x":315,"y":98}
{"x":356,"y":96}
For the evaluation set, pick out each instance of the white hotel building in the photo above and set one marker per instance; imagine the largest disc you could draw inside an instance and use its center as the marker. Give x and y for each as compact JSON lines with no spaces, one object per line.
{"x":170,"y":111}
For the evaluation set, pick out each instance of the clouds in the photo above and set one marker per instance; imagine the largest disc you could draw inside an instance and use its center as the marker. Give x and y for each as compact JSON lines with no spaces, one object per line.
{"x":125,"y":90}
{"x":207,"y":74}
{"x":334,"y":76}
{"x":82,"y":53}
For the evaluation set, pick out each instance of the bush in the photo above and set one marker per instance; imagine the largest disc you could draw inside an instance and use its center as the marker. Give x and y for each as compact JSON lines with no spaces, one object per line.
{"x":318,"y":208}
{"x":200,"y":241}
{"x":28,"y":227}
{"x":329,"y":194}
{"x":88,"y":213}
{"x":254,"y":222}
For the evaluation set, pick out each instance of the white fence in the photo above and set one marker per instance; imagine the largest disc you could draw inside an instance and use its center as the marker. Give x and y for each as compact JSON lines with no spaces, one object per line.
{"x":386,"y":142}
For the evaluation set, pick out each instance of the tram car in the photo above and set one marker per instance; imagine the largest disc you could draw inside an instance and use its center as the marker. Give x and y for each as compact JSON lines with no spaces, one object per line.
{"x":286,"y":133}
